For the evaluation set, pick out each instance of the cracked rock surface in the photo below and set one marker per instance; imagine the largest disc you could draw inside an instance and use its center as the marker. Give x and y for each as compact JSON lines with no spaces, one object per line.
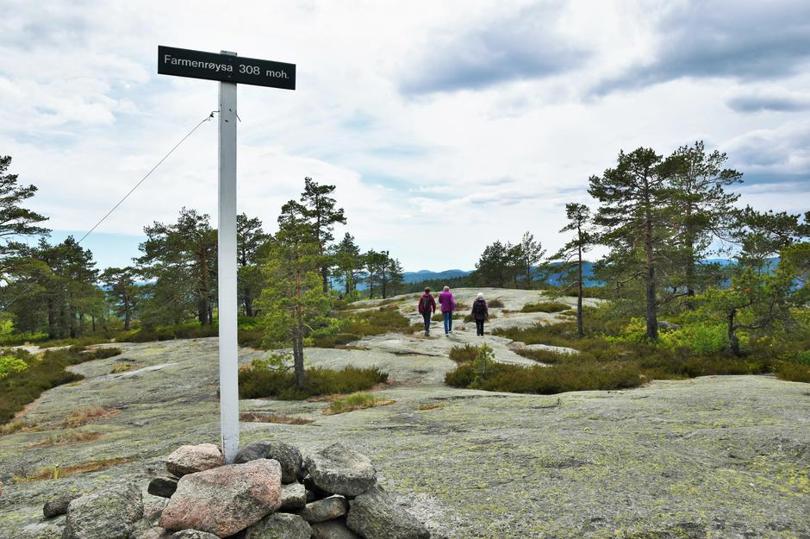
{"x":718,"y":456}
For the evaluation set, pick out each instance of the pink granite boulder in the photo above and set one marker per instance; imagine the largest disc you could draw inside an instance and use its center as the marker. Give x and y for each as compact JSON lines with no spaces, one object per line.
{"x":226,"y":499}
{"x":188,"y":459}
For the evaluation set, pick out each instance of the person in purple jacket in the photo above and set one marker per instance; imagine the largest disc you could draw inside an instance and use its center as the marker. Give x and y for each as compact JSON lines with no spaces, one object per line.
{"x":448,"y":303}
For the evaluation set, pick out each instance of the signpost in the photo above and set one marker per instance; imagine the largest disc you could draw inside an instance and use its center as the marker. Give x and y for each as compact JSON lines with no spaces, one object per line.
{"x":229,"y":69}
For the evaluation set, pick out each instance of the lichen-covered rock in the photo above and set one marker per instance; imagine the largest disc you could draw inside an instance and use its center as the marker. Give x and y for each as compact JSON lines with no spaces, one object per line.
{"x":326,"y":509}
{"x":41,"y":530}
{"x":280,"y":526}
{"x":293,"y":497}
{"x":287,"y":455}
{"x":375,"y":515}
{"x":338,"y":469}
{"x":193,"y":534}
{"x":162,"y":486}
{"x":58,"y":505}
{"x":108,"y":513}
{"x":155,"y":532}
{"x":226,"y":499}
{"x":334,"y":529}
{"x":188,"y":459}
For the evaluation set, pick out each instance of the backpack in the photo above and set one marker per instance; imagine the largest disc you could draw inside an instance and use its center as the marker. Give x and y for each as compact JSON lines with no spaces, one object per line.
{"x":424,"y":304}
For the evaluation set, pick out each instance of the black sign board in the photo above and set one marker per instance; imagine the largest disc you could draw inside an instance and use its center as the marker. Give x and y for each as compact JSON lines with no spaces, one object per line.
{"x":225,"y":67}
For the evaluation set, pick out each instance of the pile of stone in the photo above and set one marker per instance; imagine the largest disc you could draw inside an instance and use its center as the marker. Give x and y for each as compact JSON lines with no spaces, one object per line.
{"x":270,"y":492}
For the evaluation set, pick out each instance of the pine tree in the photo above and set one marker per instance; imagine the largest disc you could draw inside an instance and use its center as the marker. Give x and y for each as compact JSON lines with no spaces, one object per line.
{"x":250,"y":238}
{"x":293,"y":298}
{"x":492,"y":268}
{"x":122,"y":291}
{"x":530,"y":252}
{"x":376,"y":268}
{"x":16,"y":220}
{"x":319,"y":208}
{"x":349,"y":263}
{"x":703,"y":209}
{"x":182,"y":258}
{"x":633,"y":198}
{"x":579,"y":217}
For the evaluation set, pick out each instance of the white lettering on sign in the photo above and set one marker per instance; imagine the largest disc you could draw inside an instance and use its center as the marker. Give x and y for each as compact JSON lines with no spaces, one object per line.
{"x":185,"y":62}
{"x":277,"y":74}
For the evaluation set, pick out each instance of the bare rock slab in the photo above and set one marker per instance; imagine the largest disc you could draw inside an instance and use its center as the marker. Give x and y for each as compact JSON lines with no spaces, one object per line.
{"x":224,"y":500}
{"x":293,"y":497}
{"x":287,"y":455}
{"x":338,"y":469}
{"x":326,"y":509}
{"x":334,"y":529}
{"x":375,"y":515}
{"x":280,"y":526}
{"x":188,"y":459}
{"x":109,"y":513}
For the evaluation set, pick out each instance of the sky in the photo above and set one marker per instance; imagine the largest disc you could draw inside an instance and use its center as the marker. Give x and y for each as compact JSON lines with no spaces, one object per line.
{"x":443,"y":125}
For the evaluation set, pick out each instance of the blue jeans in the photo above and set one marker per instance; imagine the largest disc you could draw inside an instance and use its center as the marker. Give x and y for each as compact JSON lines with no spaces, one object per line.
{"x":448,"y":322}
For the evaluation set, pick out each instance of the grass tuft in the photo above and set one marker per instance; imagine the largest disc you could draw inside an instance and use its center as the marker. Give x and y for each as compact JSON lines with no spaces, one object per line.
{"x":425,"y":406}
{"x":69,"y":437}
{"x":258,"y":417}
{"x":355,"y":401}
{"x":83,"y":416}
{"x":58,"y":472}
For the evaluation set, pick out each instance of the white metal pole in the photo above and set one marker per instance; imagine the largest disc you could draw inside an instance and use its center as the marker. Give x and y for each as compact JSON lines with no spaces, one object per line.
{"x":226,"y":269}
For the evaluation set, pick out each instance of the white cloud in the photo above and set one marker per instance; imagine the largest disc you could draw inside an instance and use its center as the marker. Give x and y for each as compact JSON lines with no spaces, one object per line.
{"x":430,"y":175}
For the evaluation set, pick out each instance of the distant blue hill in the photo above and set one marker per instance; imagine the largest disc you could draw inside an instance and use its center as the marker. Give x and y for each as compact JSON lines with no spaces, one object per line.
{"x":426,"y":275}
{"x":556,"y":279}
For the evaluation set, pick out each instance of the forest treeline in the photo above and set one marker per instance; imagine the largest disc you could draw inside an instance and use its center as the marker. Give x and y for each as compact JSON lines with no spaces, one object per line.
{"x":659,"y":219}
{"x":662,"y":218}
{"x":55,"y":291}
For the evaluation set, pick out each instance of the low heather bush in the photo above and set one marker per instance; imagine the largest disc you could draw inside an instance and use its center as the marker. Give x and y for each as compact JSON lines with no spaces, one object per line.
{"x":257,"y":381}
{"x":545,"y":307}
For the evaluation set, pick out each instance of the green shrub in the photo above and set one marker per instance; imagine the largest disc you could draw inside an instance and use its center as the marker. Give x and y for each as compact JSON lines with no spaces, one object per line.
{"x":546,"y":380}
{"x":483,"y":364}
{"x":699,"y":338}
{"x":102,"y":353}
{"x":351,"y":326}
{"x":20,"y":388}
{"x":17,"y":339}
{"x":464,"y":354}
{"x":87,"y":340}
{"x":803,"y":358}
{"x":259,"y":381}
{"x":545,"y":307}
{"x":624,"y":343}
{"x":544,"y":356}
{"x":495,"y":304}
{"x":10,"y":364}
{"x":793,"y":372}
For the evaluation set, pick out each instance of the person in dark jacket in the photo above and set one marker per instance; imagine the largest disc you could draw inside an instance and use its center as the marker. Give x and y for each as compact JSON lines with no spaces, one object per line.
{"x":480,"y":314}
{"x":427,"y":306}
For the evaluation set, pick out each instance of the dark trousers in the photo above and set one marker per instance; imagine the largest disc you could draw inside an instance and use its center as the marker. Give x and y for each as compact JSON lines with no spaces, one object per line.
{"x":479,"y":327}
{"x":427,"y":316}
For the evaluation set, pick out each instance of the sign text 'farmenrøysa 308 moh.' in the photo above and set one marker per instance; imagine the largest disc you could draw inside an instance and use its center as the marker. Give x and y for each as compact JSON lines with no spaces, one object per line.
{"x":225,"y":67}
